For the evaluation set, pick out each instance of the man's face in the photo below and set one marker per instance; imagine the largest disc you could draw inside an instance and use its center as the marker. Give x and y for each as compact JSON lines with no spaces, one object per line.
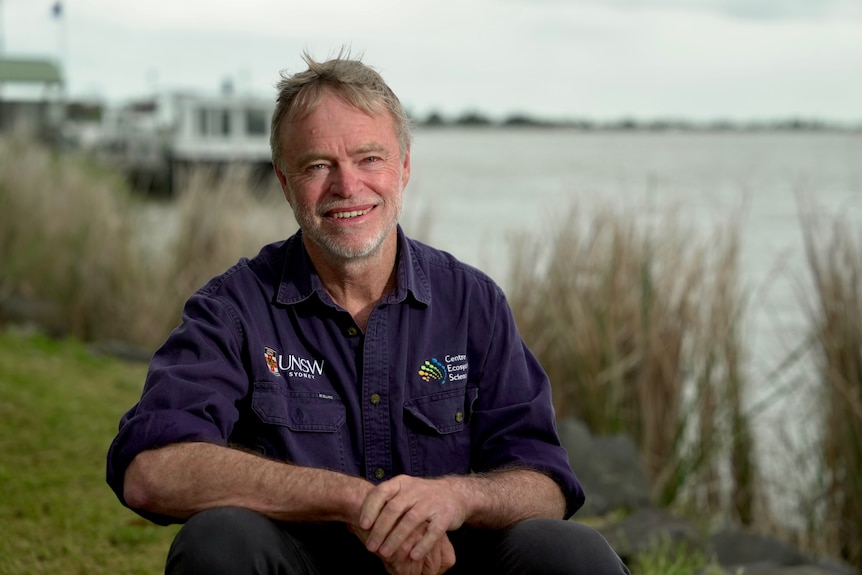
{"x":344,"y":177}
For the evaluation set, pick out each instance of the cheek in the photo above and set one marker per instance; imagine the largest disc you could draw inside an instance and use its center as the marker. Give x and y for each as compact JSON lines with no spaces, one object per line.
{"x":297,"y":195}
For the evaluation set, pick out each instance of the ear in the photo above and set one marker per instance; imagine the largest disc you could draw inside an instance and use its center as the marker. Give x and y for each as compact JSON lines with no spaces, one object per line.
{"x":405,"y":169}
{"x":282,"y":179}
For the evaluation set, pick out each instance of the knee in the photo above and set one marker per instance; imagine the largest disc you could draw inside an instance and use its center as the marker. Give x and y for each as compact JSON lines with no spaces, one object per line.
{"x":555,"y":546}
{"x":222,"y":540}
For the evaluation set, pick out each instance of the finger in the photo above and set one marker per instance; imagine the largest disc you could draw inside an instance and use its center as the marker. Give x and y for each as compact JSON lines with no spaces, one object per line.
{"x":388,"y":530}
{"x":385,"y":517}
{"x":440,"y":559}
{"x":432,"y":563}
{"x":375,"y":501}
{"x":362,"y":534}
{"x":409,"y":543}
{"x":447,"y":556}
{"x":435,"y":531}
{"x":403,"y":565}
{"x":404,"y":568}
{"x":415,"y":519}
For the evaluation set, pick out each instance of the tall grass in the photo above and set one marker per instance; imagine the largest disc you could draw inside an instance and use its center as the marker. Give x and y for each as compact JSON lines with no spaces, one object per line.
{"x":65,"y":240}
{"x":834,"y":257}
{"x":639,"y":327}
{"x":216,"y":221}
{"x":100,"y":264}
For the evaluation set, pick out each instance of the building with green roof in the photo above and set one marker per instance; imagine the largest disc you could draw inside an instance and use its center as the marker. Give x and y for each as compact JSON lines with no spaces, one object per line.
{"x":31,"y":95}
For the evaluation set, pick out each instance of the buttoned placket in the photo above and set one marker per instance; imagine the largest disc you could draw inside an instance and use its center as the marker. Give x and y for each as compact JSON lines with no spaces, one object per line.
{"x":375,"y":397}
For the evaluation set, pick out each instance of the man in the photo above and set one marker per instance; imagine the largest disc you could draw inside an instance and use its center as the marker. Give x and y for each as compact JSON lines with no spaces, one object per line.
{"x":351,"y":399}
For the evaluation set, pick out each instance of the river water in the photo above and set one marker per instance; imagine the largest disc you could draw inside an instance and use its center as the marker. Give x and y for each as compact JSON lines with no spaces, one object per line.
{"x":478,"y":186}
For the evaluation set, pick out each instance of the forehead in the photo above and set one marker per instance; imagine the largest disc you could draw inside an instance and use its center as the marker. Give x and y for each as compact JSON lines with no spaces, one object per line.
{"x":332,"y":117}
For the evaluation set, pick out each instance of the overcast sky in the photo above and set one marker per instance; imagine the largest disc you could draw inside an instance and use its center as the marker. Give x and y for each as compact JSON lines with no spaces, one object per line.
{"x":592,"y":59}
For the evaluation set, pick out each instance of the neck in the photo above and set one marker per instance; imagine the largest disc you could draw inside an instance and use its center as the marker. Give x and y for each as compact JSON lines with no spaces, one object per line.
{"x":358,"y":285}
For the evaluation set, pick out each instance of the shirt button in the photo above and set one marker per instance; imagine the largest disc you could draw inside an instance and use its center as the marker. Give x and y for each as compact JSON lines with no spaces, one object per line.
{"x":374,"y":399}
{"x":379,"y":473}
{"x":351,"y":331}
{"x":459,"y":417}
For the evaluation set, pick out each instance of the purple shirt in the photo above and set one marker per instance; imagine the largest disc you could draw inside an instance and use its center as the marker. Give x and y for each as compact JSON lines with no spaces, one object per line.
{"x":440,"y":382}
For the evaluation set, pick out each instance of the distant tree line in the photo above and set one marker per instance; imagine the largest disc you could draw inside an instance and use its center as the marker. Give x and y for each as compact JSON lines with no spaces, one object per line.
{"x":475,"y":119}
{"x":90,"y":111}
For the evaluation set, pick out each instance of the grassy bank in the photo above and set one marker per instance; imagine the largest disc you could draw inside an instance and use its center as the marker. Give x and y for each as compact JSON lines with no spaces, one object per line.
{"x":59,"y":408}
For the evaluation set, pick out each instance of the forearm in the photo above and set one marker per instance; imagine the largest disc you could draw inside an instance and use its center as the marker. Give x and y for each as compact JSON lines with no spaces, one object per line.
{"x":181,"y":479}
{"x":499,"y":499}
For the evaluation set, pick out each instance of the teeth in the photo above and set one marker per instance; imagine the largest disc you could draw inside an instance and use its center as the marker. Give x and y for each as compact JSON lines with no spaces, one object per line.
{"x":353,"y":214}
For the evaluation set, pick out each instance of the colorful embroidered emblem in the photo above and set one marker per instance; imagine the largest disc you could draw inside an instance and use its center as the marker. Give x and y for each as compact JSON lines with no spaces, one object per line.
{"x":270,"y":355}
{"x":433,"y":369}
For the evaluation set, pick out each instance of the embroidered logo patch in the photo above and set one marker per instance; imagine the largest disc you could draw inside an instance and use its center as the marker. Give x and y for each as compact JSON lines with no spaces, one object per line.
{"x":270,"y":355}
{"x":433,"y":369}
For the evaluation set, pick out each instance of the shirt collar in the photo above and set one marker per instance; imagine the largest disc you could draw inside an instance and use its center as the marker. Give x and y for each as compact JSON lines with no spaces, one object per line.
{"x":299,"y":279}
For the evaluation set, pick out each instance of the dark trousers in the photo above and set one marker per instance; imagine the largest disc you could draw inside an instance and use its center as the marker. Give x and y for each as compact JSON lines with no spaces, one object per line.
{"x":237,"y":541}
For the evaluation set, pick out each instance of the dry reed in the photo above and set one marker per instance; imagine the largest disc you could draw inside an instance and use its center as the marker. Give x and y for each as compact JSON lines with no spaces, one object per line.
{"x":639,"y":330}
{"x":74,"y":243}
{"x":66,"y":239}
{"x":216,"y":222}
{"x":834,"y":258}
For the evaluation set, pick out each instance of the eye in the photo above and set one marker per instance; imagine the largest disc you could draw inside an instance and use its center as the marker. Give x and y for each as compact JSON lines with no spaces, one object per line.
{"x":372,"y":160}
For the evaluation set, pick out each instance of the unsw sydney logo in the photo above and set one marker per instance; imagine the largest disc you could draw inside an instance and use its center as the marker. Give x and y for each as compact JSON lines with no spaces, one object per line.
{"x":454,"y":369}
{"x":292,"y":365}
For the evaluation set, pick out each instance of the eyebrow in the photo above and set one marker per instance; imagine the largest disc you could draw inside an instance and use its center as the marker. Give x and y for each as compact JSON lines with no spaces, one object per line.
{"x":372,"y":147}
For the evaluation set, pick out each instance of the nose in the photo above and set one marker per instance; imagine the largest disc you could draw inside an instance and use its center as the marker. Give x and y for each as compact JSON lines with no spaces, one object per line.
{"x":346,"y":181}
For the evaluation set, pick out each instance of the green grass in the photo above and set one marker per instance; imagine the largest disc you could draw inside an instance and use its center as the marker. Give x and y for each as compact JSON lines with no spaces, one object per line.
{"x":59,"y":409}
{"x":666,"y":558}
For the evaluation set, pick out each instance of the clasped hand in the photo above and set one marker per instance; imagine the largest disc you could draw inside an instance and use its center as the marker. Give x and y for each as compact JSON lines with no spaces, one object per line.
{"x":405,"y":522}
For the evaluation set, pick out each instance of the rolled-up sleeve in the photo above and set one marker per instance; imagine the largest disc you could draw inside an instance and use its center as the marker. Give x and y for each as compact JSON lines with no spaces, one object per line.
{"x":514,"y":422}
{"x":191,"y":390}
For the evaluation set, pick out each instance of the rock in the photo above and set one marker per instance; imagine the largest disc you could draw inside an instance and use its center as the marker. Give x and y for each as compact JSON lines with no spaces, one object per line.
{"x":610,"y":471}
{"x":650,"y":527}
{"x":736,"y":547}
{"x":121,"y":350}
{"x":45,"y":315}
{"x":608,"y":468}
{"x":795,"y":570}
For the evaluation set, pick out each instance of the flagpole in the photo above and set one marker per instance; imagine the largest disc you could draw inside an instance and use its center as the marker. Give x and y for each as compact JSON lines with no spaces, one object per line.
{"x":59,"y":15}
{"x":58,"y":12}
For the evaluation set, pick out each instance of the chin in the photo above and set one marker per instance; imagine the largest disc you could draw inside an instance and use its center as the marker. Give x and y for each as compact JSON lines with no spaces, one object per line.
{"x":350,"y":250}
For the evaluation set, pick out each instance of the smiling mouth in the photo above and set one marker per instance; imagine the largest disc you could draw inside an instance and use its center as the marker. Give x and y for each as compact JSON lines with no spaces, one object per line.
{"x":348,"y":215}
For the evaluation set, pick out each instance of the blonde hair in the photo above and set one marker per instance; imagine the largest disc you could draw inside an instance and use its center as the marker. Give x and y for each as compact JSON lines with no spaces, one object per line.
{"x":358,"y":84}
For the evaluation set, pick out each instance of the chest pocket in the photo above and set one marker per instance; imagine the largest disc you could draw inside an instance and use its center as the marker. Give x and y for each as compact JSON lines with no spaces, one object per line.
{"x":302,"y":427}
{"x":438,"y":431}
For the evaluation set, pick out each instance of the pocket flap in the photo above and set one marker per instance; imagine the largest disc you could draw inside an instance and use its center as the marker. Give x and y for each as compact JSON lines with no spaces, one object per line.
{"x":445,"y":412}
{"x":298,"y":410}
